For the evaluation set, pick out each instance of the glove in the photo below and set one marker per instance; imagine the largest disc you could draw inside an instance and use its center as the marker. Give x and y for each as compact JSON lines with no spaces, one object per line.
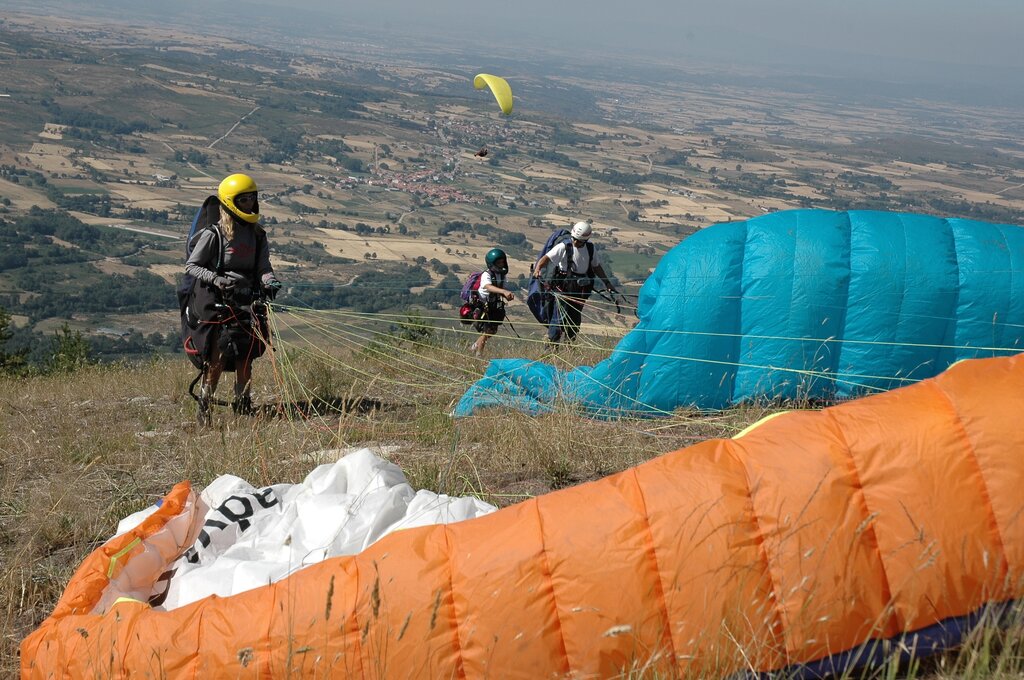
{"x":224,"y":283}
{"x":272,"y":286}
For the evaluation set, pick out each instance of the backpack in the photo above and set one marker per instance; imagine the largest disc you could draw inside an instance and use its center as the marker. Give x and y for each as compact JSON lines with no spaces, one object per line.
{"x":538,"y":299}
{"x":471,"y":287}
{"x":196,"y":300}
{"x":206,"y":217}
{"x":476,"y":304}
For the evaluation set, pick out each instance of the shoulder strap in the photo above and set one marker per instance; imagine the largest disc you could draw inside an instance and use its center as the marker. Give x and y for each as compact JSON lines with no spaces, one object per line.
{"x":570,"y":252}
{"x":219,"y":239}
{"x":261,"y":240}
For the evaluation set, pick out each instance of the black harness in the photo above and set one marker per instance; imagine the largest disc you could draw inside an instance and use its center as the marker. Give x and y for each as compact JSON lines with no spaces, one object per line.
{"x":566,"y":281}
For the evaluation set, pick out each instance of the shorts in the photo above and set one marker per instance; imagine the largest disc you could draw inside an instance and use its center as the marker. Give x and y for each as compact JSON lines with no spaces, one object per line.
{"x":495,"y":315}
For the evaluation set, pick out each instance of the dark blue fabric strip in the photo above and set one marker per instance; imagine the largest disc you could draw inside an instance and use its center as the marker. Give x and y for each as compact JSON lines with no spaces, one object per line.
{"x":918,"y":644}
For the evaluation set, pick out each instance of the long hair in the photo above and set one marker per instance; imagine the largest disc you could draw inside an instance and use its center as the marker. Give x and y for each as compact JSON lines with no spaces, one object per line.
{"x":227,"y":223}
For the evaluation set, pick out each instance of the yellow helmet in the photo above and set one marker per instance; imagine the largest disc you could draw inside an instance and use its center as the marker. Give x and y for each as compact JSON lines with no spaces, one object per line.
{"x":232,"y":188}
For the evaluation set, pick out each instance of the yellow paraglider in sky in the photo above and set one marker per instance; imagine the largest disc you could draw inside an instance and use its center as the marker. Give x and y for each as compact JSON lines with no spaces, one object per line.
{"x":499,"y":88}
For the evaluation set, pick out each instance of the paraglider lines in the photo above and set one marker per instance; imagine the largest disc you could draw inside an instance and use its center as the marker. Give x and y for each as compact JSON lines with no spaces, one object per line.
{"x":350,"y":338}
{"x":412,"y":357}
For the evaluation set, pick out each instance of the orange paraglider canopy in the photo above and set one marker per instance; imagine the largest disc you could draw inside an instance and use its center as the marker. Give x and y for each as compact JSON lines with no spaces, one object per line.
{"x":807,"y":535}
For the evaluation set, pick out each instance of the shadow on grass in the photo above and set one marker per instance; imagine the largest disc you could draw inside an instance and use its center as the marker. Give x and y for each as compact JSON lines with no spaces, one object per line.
{"x":321,"y":407}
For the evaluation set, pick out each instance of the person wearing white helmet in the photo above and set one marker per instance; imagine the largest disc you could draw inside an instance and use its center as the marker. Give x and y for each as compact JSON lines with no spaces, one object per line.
{"x":575,"y":263}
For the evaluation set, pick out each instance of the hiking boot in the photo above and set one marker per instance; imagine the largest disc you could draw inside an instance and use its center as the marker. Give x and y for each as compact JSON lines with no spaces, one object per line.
{"x":204,"y":416}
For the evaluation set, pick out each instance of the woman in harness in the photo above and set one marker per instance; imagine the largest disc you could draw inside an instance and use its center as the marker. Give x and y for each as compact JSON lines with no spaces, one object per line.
{"x":576,"y":263}
{"x":230,"y":265}
{"x":493,"y":296}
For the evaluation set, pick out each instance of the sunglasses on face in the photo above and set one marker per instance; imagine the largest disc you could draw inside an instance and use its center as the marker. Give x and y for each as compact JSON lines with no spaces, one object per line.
{"x":246,"y":199}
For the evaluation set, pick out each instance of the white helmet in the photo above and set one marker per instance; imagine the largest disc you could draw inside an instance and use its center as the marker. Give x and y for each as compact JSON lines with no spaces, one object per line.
{"x":581,"y":231}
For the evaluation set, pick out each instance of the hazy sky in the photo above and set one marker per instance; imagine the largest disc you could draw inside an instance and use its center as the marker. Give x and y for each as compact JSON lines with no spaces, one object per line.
{"x":983,"y":32}
{"x":968,"y":49}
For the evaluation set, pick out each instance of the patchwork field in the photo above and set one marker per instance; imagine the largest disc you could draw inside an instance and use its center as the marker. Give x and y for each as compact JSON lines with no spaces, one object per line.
{"x":365,"y":166}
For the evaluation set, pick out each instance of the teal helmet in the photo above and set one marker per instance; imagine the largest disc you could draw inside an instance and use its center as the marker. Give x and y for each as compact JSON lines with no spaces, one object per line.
{"x":493,"y":257}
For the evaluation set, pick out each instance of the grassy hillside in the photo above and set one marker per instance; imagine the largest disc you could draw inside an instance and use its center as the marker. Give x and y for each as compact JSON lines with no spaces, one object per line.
{"x":82,"y":450}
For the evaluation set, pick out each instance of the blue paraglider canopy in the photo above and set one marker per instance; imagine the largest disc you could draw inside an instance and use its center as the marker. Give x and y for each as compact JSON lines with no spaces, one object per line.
{"x":801,"y":304}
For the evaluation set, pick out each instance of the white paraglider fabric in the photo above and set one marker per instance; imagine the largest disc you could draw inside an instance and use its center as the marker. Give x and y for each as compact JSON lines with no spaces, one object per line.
{"x":240,"y":537}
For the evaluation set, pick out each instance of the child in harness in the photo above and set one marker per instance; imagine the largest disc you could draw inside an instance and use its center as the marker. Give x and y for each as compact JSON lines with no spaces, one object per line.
{"x":492,"y":296}
{"x":228,"y":275}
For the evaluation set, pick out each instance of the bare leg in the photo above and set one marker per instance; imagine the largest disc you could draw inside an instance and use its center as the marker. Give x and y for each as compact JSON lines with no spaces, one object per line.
{"x":478,"y":346}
